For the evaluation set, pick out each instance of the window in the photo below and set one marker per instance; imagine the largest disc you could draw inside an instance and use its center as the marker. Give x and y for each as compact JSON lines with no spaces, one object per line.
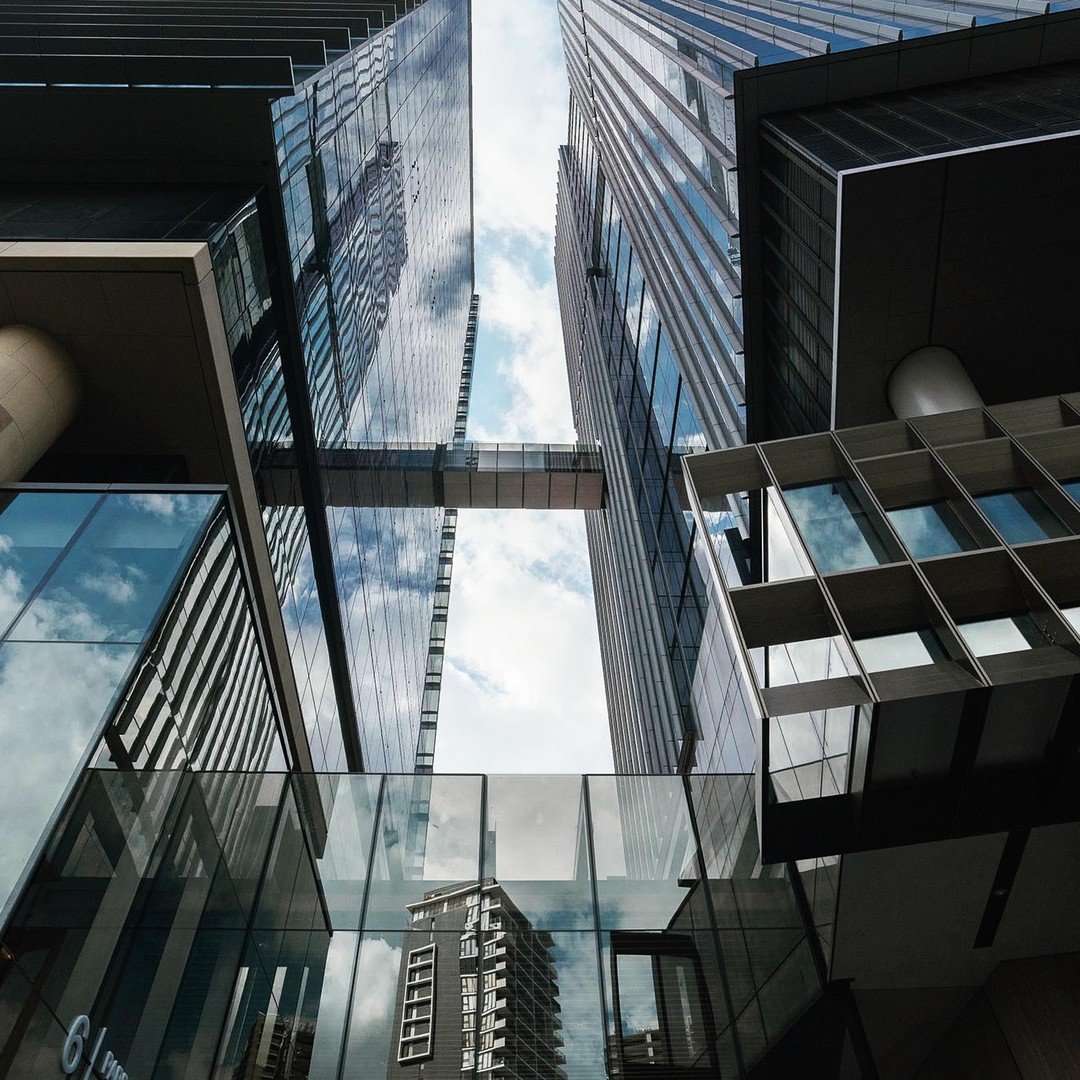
{"x":1010,"y":633}
{"x":931,"y":529}
{"x":415,"y":1038}
{"x":838,"y":533}
{"x":904,"y":649}
{"x":1021,"y":516}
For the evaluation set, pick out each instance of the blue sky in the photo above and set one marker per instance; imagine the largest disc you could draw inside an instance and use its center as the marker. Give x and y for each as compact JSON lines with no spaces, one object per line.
{"x":522,"y":689}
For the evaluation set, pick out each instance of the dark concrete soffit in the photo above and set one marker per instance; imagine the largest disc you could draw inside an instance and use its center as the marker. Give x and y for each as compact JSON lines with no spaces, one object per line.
{"x":268,"y":47}
{"x":857,"y":73}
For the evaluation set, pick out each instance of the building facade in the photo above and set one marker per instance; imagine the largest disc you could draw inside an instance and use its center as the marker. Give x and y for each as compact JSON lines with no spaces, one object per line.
{"x":660,"y":202}
{"x":776,"y":220}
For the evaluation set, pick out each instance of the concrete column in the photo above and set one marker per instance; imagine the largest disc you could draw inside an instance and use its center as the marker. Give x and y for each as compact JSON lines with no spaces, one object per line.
{"x":931,"y":380}
{"x":39,"y":396}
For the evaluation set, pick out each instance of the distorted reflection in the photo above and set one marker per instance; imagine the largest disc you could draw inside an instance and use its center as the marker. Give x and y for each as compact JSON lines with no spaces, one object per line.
{"x":215,"y":924}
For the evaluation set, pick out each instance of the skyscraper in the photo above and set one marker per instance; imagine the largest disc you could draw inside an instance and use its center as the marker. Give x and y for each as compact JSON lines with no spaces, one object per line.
{"x":236,"y":337}
{"x":659,"y":197}
{"x":776,"y":220}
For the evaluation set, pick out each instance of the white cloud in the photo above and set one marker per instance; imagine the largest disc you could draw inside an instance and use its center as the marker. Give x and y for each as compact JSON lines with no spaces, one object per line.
{"x":519,"y":115}
{"x":522,"y":684}
{"x":522,"y":690}
{"x":525,"y":312}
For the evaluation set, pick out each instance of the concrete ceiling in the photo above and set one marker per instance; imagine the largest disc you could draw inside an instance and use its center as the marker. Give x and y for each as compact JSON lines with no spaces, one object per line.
{"x":976,"y":251}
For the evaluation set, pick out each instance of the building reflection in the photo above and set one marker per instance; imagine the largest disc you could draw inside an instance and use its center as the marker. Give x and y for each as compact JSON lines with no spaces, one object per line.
{"x":664,"y":1022}
{"x":488,"y":1006}
{"x":278,"y":1049}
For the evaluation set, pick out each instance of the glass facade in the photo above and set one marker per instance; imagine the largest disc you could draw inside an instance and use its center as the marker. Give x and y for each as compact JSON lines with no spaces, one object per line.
{"x":128,"y":636}
{"x":517,"y":926}
{"x":649,"y":271}
{"x":375,"y":174}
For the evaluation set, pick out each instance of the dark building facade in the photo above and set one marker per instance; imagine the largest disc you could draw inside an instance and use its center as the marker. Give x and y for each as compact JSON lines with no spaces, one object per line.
{"x":695,"y":283}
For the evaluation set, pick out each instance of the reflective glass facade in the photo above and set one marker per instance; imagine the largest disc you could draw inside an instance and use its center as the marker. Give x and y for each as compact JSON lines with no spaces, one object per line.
{"x":374,"y":162}
{"x":128,"y":637}
{"x":512,"y":926}
{"x":649,"y":270}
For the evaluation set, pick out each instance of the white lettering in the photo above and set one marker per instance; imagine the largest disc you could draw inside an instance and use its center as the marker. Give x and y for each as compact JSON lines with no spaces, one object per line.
{"x":73,"y":1050}
{"x":71,"y":1053}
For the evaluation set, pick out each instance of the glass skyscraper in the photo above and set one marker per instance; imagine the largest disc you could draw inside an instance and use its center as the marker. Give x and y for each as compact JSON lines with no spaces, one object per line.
{"x":649,"y":253}
{"x":781,"y":219}
{"x":237,"y":332}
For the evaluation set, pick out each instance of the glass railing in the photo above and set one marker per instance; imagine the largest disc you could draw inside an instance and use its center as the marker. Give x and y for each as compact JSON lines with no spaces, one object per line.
{"x":573,"y":926}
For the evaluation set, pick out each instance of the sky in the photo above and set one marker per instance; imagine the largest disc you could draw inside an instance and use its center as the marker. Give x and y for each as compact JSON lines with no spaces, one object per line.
{"x":522,"y":686}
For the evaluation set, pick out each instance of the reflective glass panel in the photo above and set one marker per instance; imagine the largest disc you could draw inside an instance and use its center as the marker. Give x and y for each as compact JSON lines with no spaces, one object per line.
{"x":348,"y":803}
{"x":1010,"y":633}
{"x":837,"y":531}
{"x":415,"y":1001}
{"x":283,"y":1005}
{"x":536,"y":849}
{"x":114,"y":579}
{"x":802,"y":661}
{"x":931,"y":529}
{"x":665,"y":1005}
{"x":67,"y":690}
{"x":35,"y":527}
{"x":646,"y":858}
{"x":1021,"y":516}
{"x":427,"y":840}
{"x":908,"y":648}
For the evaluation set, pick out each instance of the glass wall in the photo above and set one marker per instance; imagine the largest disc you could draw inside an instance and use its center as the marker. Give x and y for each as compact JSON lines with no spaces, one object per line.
{"x":227,"y":924}
{"x":373,"y":156}
{"x":84,"y":578}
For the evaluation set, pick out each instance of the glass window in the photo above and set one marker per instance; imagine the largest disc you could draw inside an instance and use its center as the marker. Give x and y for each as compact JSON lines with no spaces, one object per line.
{"x":802,"y":661}
{"x":1073,"y":488}
{"x":536,"y":851}
{"x":349,"y":801}
{"x":35,"y":526}
{"x":837,"y":530}
{"x":646,"y":859}
{"x":1009,"y":633}
{"x":427,"y":840}
{"x":65,"y":689}
{"x":931,"y":529}
{"x":1021,"y":516}
{"x":904,"y":649}
{"x":113,"y":581}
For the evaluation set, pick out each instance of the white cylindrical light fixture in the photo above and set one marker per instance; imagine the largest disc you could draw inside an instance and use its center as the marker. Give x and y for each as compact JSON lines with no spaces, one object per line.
{"x":39,"y":396}
{"x":931,"y":380}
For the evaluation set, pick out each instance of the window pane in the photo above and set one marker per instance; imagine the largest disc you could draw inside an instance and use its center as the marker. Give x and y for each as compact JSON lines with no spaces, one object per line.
{"x":65,"y":690}
{"x":931,"y":529}
{"x":1013,"y":633}
{"x":1021,"y":516}
{"x":34,"y":528}
{"x":117,"y":574}
{"x":535,"y":849}
{"x":911,"y":648}
{"x":837,"y":531}
{"x":646,"y":868}
{"x":427,"y":839}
